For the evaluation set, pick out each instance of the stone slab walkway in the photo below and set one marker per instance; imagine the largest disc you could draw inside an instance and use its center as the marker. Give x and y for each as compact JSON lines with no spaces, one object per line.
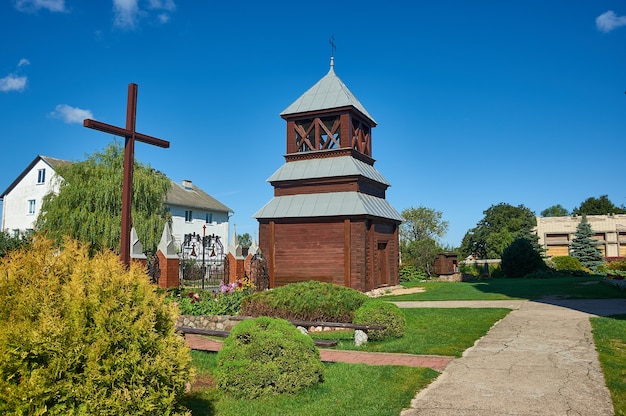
{"x":539,"y":360}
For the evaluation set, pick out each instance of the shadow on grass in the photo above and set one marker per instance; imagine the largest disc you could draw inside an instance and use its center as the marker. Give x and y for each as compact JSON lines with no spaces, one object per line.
{"x":591,"y":287}
{"x":199,"y":404}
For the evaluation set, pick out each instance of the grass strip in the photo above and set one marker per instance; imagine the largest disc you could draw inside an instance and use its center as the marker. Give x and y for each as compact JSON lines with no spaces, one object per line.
{"x":506,"y":289}
{"x":609,"y":334}
{"x":348,"y":389}
{"x":432,"y":331}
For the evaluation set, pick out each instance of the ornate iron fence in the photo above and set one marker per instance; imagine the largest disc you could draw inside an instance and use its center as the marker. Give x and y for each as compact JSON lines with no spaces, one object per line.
{"x":202,"y":262}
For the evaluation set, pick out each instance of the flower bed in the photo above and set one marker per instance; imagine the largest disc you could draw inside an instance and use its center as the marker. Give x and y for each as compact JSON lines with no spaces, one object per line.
{"x":618,"y":282}
{"x":226,"y":300}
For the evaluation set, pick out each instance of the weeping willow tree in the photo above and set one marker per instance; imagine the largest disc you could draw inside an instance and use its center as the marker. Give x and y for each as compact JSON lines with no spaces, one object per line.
{"x":88,"y":206}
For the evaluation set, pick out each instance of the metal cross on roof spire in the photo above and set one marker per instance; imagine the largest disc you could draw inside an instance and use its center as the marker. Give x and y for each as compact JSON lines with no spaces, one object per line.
{"x":332,"y":46}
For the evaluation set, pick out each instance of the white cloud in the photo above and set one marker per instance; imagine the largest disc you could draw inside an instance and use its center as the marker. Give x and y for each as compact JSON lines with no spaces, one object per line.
{"x":23,"y":62}
{"x":163,"y":5}
{"x":163,"y":18}
{"x":31,"y":6}
{"x":125,"y":12}
{"x":609,"y":21}
{"x":70,"y":114}
{"x":12,"y":83}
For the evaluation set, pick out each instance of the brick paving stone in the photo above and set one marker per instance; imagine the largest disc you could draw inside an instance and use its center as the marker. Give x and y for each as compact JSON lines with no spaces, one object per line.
{"x":436,"y":362}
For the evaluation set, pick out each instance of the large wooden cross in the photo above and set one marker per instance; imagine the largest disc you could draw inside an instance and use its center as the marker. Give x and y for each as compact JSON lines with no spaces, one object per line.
{"x":130,"y":136}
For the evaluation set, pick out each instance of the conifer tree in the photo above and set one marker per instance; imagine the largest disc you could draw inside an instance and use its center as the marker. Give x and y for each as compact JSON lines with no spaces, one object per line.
{"x":584,"y":247}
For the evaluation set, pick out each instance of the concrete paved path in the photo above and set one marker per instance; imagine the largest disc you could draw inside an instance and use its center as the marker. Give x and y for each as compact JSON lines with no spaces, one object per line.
{"x":539,"y":360}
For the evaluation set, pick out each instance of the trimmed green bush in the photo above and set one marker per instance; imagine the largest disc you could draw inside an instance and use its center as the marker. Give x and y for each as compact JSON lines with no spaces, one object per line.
{"x":520,"y":259}
{"x":410,"y":273}
{"x":309,"y":301}
{"x":567,"y":263}
{"x":267,"y":356}
{"x":81,"y":335}
{"x":616,"y":265}
{"x":377,"y":312}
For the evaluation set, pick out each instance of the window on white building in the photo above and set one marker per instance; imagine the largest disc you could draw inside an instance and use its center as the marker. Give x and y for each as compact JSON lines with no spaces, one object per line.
{"x":41,"y":176}
{"x":188,"y":216}
{"x":209,"y":217}
{"x":31,"y":207}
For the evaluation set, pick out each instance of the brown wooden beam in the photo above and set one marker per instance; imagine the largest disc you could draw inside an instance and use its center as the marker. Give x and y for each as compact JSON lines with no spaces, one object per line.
{"x":347,"y":250}
{"x":271,"y":265}
{"x":120,"y":132}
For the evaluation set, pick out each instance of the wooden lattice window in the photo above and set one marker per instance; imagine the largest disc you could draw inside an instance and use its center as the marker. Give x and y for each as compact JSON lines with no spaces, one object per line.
{"x":320,"y":133}
{"x":557,"y":238}
{"x":361,"y":137}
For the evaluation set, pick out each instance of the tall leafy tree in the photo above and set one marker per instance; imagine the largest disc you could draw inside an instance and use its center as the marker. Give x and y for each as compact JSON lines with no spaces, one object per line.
{"x":420,"y":234}
{"x":500,"y":226}
{"x":244,"y":240}
{"x":555,"y":211}
{"x":584,"y":247}
{"x":88,"y":205}
{"x":598,"y":206}
{"x":9,"y":242}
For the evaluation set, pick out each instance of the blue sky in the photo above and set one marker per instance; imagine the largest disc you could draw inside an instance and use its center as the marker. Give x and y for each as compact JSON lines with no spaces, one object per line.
{"x":477,"y":103}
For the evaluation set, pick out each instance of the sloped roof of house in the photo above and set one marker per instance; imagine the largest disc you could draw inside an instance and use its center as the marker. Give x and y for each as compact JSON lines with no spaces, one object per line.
{"x":193,"y":197}
{"x":52,"y":162}
{"x":328,"y":205}
{"x":177,"y":195}
{"x":328,"y":93}
{"x":326,"y":168}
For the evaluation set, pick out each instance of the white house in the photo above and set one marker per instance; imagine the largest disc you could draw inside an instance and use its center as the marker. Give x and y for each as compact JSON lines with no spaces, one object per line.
{"x":195,"y":211}
{"x":21,"y":201}
{"x":191,"y":208}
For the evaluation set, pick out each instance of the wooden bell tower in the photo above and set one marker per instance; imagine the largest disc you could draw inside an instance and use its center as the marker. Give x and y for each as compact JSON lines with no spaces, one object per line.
{"x":329,"y":219}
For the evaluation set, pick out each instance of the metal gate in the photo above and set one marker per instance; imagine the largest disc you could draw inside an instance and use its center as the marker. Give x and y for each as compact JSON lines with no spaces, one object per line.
{"x":202,"y":262}
{"x":152,"y":267}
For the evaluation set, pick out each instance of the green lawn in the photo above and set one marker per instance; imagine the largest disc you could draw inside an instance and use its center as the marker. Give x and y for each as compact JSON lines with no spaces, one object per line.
{"x":437,"y":331}
{"x":504,"y":289}
{"x":609,"y":334}
{"x":348,"y":389}
{"x":355,"y":389}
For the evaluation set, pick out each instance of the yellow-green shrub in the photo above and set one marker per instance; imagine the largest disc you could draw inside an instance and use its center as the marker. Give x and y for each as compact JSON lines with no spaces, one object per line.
{"x":81,"y":335}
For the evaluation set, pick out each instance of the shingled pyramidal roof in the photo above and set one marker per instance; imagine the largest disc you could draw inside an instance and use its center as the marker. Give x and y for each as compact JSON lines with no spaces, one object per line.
{"x":329,"y":92}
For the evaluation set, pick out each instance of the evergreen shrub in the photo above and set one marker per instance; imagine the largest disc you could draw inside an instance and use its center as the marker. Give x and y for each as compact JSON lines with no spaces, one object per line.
{"x":520,"y":258}
{"x":308,"y":301}
{"x":82,"y":335}
{"x":267,"y":356}
{"x":617,"y":265}
{"x":567,"y":263}
{"x":411,"y":274}
{"x":377,"y":312}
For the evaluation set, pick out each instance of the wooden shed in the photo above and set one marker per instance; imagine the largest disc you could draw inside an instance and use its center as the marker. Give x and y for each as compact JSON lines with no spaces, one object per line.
{"x":329,"y":219}
{"x":446,"y":263}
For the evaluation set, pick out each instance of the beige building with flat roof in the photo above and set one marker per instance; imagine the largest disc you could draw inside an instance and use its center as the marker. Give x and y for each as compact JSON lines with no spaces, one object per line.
{"x":556,"y":233}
